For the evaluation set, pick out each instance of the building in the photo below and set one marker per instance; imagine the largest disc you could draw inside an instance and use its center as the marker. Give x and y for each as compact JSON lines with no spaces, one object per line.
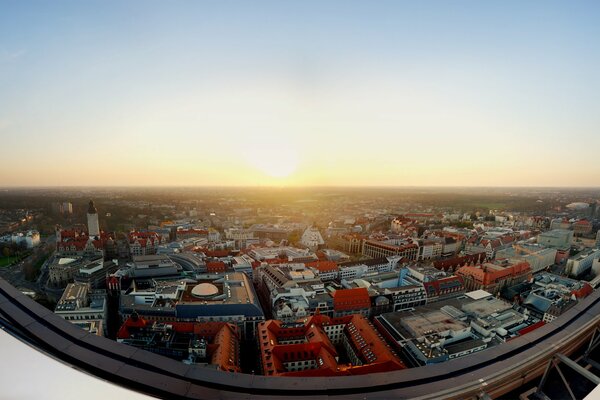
{"x":325,"y":270}
{"x":79,"y":242}
{"x":214,"y":344}
{"x":351,"y":301}
{"x":560,"y":223}
{"x":390,"y":291}
{"x":292,"y":291}
{"x":312,"y":238}
{"x":438,"y":285}
{"x":144,"y":243}
{"x":226,"y":298}
{"x":62,"y":270}
{"x":83,"y":307}
{"x":452,"y":264}
{"x":29,"y":239}
{"x":582,"y":227}
{"x":67,"y":208}
{"x":241,"y":237}
{"x":245,"y":264}
{"x":402,"y":248}
{"x":95,"y":272}
{"x":283,"y":254}
{"x":430,"y":249}
{"x":312,"y":347}
{"x":150,"y":266}
{"x":493,"y":276}
{"x":452,"y":328}
{"x":551,"y":295}
{"x":538,"y":257}
{"x":356,"y":269}
{"x":191,"y":233}
{"x":273,"y":232}
{"x":353,"y":243}
{"x":581,"y":263}
{"x":556,"y":238}
{"x":92,"y":220}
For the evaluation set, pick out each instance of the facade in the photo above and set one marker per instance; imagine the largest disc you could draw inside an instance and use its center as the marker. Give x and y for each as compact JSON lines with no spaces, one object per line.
{"x":62,"y":270}
{"x":312,"y":238}
{"x":430,"y":249}
{"x":351,"y":301}
{"x":92,"y":220}
{"x":84,"y":307}
{"x":191,"y":233}
{"x":438,"y":285}
{"x":493,"y":276}
{"x":214,"y":344}
{"x":312,"y":348}
{"x":283,"y":253}
{"x":538,"y":257}
{"x":356,"y":269}
{"x":556,"y":238}
{"x":353,"y":243}
{"x":551,"y":295}
{"x":95,"y":272}
{"x":144,"y":243}
{"x":581,"y":263}
{"x":227,"y":298}
{"x":377,"y":249}
{"x":582,"y":227}
{"x":453,"y":328}
{"x":150,"y":266}
{"x":241,"y":237}
{"x":325,"y":270}
{"x":292,"y":291}
{"x":560,"y":223}
{"x":29,"y":239}
{"x":390,"y":291}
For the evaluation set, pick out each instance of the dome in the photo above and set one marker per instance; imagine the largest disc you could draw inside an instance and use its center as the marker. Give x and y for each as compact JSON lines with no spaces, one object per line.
{"x":205,"y":290}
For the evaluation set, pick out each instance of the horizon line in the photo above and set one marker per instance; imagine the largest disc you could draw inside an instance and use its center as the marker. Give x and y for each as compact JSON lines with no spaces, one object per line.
{"x":295,"y":187}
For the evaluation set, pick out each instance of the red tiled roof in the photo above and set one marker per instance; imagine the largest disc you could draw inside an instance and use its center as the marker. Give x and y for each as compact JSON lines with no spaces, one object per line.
{"x":488,"y":276}
{"x":215,"y":266}
{"x":351,"y":299}
{"x":323,"y":266}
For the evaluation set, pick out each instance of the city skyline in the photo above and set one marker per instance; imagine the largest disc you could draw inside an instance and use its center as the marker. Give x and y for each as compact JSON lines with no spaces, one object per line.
{"x":272,"y":94}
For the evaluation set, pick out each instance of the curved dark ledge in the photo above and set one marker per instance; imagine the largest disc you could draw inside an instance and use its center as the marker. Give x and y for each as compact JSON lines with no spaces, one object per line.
{"x":162,"y":377}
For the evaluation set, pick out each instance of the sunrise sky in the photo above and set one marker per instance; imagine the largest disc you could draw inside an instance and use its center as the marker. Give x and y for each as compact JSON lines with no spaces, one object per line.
{"x":299,"y":93}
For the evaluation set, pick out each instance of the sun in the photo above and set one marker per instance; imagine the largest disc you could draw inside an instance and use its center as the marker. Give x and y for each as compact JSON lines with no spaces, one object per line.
{"x":274,"y":158}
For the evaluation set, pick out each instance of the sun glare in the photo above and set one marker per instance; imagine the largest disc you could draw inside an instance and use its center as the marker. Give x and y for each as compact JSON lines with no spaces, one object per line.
{"x":275,"y":159}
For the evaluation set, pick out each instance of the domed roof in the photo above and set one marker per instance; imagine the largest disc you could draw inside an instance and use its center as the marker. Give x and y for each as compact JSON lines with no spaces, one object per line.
{"x":205,"y":290}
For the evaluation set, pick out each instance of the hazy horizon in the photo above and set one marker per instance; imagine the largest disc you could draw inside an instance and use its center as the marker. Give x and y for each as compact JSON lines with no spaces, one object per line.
{"x":308,"y":94}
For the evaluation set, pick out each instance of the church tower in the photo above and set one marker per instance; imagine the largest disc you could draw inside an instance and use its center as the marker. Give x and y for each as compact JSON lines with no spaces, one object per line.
{"x":92,"y":220}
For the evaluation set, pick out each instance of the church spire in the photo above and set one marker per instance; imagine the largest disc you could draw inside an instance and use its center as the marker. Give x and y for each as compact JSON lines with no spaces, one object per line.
{"x":92,"y":208}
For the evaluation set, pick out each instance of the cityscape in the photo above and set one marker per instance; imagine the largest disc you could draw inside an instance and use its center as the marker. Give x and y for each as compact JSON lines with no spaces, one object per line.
{"x":317,"y":199}
{"x":317,"y":282}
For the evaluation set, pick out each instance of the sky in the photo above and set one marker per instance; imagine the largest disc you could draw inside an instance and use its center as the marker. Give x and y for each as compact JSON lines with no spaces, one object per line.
{"x":315,"y":93}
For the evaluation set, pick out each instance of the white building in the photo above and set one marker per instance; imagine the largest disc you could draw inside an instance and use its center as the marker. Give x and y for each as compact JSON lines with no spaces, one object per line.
{"x":83,"y":307}
{"x":537,"y":256}
{"x":582,"y":262}
{"x":30,"y":239}
{"x":312,"y":238}
{"x":92,"y":220}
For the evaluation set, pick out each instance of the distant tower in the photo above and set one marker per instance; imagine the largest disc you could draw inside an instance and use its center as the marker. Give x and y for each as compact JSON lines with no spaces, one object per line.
{"x":92,"y":220}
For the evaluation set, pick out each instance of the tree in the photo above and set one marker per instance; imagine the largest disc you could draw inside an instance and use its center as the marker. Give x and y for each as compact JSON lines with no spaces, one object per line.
{"x":6,"y":252}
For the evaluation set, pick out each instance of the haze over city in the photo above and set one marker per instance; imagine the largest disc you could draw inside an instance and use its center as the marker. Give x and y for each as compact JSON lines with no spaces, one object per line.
{"x":311,"y":93}
{"x":356,"y":200}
